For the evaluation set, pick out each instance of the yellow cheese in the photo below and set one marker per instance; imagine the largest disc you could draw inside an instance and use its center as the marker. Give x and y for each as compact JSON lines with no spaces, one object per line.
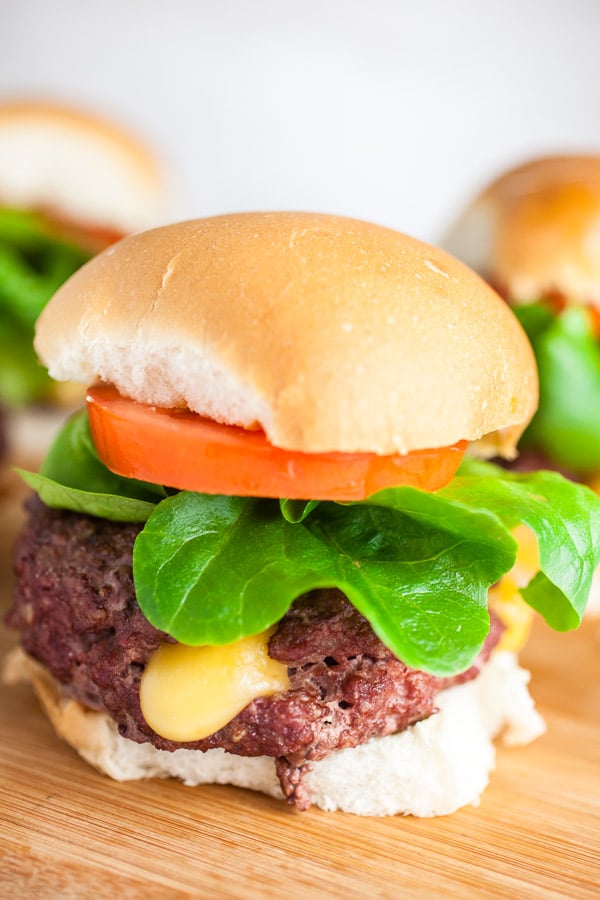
{"x":504,"y":597}
{"x":188,"y":693}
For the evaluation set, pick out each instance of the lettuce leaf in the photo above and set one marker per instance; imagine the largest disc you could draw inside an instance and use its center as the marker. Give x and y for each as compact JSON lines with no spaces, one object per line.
{"x":564,"y":516}
{"x":33,"y":265}
{"x":212,"y":569}
{"x":22,"y":377}
{"x":74,"y":462}
{"x":73,"y":477}
{"x":297,"y":510}
{"x":416,"y":565}
{"x":91,"y":503}
{"x":567,"y":425}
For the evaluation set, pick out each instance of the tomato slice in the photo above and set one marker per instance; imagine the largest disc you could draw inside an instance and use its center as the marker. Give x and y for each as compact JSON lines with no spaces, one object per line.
{"x":93,"y":238}
{"x":180,"y":449}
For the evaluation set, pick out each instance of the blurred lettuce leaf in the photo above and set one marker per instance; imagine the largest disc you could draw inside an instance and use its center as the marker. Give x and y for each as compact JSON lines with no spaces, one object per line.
{"x":34,"y":263}
{"x":566,"y":427}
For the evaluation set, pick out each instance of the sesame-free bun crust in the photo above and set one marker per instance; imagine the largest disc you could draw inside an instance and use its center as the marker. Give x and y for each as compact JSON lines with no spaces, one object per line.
{"x":79,"y":166}
{"x":535,"y":231}
{"x":329,"y":333}
{"x":430,"y":769}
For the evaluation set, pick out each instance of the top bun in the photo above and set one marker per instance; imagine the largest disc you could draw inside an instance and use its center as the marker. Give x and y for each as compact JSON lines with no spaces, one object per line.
{"x":78,"y":166}
{"x":535,"y":231}
{"x":329,"y":333}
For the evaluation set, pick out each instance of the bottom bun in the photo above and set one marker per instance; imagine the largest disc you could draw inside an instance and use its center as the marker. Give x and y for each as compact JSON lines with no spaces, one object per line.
{"x":430,"y":769}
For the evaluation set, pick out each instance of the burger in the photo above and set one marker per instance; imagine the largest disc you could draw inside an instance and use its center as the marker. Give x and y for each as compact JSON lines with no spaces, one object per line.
{"x":262,"y":556}
{"x":533,"y":234}
{"x":70,"y":185}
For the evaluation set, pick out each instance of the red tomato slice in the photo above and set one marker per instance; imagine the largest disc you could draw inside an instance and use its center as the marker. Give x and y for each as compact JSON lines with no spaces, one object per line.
{"x":93,"y":238}
{"x":180,"y":449}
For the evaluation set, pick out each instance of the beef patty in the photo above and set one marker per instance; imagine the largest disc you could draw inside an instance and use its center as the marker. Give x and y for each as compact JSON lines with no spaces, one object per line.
{"x":76,"y":610}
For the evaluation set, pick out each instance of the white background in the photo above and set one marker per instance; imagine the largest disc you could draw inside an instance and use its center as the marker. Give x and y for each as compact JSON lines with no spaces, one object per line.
{"x":389,"y":111}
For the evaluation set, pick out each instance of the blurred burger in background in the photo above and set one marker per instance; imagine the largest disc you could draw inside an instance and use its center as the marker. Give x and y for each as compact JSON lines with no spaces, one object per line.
{"x":70,"y":185}
{"x":534,"y":234}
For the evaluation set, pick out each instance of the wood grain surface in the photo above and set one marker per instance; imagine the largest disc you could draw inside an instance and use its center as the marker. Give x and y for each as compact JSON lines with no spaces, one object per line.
{"x":68,"y":832}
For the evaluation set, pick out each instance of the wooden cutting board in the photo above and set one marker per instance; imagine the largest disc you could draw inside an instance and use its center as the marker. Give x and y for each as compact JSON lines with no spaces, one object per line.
{"x":68,"y":832}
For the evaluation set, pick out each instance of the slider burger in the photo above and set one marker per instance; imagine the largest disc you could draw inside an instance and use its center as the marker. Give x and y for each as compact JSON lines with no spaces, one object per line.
{"x":533,"y":234}
{"x":70,"y":185}
{"x":262,"y":556}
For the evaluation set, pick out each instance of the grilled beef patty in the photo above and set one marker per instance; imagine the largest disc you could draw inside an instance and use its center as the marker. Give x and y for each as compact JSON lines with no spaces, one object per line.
{"x":76,"y":610}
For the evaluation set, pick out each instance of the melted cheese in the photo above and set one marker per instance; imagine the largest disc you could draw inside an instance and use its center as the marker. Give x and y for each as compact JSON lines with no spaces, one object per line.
{"x":188,"y":693}
{"x":504,"y":597}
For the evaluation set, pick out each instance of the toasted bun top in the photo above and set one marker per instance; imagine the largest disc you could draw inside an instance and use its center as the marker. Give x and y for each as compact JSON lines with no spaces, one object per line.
{"x":535,"y":231}
{"x":78,"y":166}
{"x":330,"y":333}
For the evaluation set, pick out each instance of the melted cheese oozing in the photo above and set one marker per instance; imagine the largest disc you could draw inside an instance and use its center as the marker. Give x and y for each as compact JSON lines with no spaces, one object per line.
{"x":188,"y":693}
{"x":504,"y":597}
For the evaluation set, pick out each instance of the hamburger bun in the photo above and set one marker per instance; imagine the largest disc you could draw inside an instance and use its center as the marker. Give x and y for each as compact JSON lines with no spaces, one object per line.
{"x":535,"y":231}
{"x":329,"y":333}
{"x":79,"y":166}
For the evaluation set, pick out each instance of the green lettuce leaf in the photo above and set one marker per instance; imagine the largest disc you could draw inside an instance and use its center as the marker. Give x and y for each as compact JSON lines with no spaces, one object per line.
{"x":90,"y":503}
{"x":22,"y":377}
{"x":73,"y":477}
{"x":74,"y":462}
{"x":212,"y":569}
{"x":567,"y":425}
{"x":33,"y":265}
{"x":416,"y":565}
{"x":295,"y":511}
{"x":564,"y":516}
